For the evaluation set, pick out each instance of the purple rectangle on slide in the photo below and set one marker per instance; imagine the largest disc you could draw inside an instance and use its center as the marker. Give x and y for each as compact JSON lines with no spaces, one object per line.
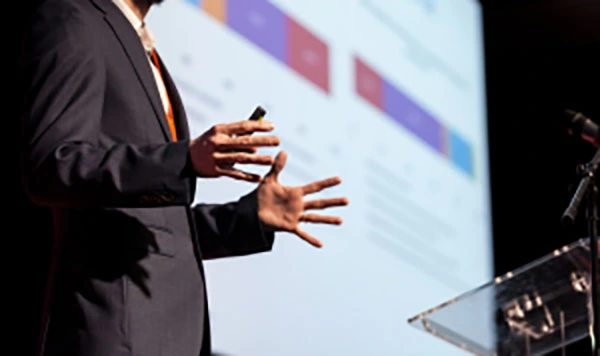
{"x":412,"y":117}
{"x":261,"y":23}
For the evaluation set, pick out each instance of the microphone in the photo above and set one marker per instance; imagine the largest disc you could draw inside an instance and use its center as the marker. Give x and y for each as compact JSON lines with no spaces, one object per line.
{"x":584,"y":127}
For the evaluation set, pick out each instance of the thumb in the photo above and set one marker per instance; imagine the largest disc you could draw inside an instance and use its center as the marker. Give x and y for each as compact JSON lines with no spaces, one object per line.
{"x":277,"y":165}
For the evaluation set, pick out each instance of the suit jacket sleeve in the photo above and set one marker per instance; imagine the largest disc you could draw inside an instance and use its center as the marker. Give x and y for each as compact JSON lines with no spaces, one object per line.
{"x":232,"y":229}
{"x":64,"y":163}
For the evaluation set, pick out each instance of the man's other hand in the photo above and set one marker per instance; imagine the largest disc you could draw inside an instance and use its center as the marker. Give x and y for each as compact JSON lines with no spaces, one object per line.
{"x":282,"y":208}
{"x":214,"y":153}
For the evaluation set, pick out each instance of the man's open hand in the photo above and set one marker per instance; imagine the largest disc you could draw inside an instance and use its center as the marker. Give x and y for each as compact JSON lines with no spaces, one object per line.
{"x":282,"y":208}
{"x":214,"y":153}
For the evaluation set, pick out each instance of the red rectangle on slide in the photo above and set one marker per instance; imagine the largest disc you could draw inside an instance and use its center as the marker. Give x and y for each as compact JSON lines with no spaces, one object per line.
{"x":368,"y":84}
{"x":308,"y":55}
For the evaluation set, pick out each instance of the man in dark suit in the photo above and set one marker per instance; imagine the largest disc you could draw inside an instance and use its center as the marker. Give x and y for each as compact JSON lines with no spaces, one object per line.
{"x":106,"y":146}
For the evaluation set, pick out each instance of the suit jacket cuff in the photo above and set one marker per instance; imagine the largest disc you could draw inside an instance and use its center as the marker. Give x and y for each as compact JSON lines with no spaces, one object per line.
{"x":248,"y":214}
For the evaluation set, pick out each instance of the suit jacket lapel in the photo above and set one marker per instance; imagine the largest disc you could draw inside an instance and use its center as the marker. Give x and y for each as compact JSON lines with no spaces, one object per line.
{"x":181,"y":123}
{"x":137,"y":56}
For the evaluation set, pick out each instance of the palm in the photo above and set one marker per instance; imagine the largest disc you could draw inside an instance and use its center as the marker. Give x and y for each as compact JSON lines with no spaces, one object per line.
{"x":282,"y":208}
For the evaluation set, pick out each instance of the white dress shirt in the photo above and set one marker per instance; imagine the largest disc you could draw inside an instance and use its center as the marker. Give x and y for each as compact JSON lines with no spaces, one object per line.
{"x":148,"y":41}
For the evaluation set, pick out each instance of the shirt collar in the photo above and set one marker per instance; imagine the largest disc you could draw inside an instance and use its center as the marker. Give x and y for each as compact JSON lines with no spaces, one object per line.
{"x":147,"y":38}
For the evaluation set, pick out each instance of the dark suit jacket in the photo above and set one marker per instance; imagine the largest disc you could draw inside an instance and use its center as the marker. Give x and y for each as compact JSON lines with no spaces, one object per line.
{"x":127,"y":276}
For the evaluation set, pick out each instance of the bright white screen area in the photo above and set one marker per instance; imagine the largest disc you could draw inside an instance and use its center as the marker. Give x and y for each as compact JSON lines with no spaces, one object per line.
{"x":387,"y":94}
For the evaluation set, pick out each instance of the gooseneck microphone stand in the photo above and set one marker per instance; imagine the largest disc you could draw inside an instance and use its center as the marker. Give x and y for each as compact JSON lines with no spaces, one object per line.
{"x":588,"y":191}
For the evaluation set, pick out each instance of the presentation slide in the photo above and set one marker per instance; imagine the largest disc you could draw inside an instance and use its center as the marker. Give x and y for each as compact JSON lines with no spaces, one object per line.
{"x":390,"y":96}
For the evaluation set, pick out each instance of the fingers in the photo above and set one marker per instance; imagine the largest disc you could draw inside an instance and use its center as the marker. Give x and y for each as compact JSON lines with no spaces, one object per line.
{"x":226,"y":143}
{"x":244,"y":127}
{"x":247,"y":150}
{"x":320,"y":185}
{"x":321,"y":219}
{"x":229,"y":159}
{"x":278,"y":165}
{"x":325,"y":203}
{"x":237,"y":174}
{"x":308,"y":238}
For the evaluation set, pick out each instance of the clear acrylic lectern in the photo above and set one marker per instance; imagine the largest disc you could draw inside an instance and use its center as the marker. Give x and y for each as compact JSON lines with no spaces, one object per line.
{"x":531,"y":311}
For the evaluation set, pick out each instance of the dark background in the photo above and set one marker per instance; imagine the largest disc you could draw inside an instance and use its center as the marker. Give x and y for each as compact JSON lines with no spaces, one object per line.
{"x":542,"y":56}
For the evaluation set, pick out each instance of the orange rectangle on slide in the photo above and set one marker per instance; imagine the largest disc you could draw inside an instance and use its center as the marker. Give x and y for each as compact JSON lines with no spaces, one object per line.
{"x":215,"y":8}
{"x":307,"y":54}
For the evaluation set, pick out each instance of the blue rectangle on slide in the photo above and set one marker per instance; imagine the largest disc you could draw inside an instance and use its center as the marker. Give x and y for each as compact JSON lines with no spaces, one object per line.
{"x":461,"y":153}
{"x":261,"y":23}
{"x":196,"y":3}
